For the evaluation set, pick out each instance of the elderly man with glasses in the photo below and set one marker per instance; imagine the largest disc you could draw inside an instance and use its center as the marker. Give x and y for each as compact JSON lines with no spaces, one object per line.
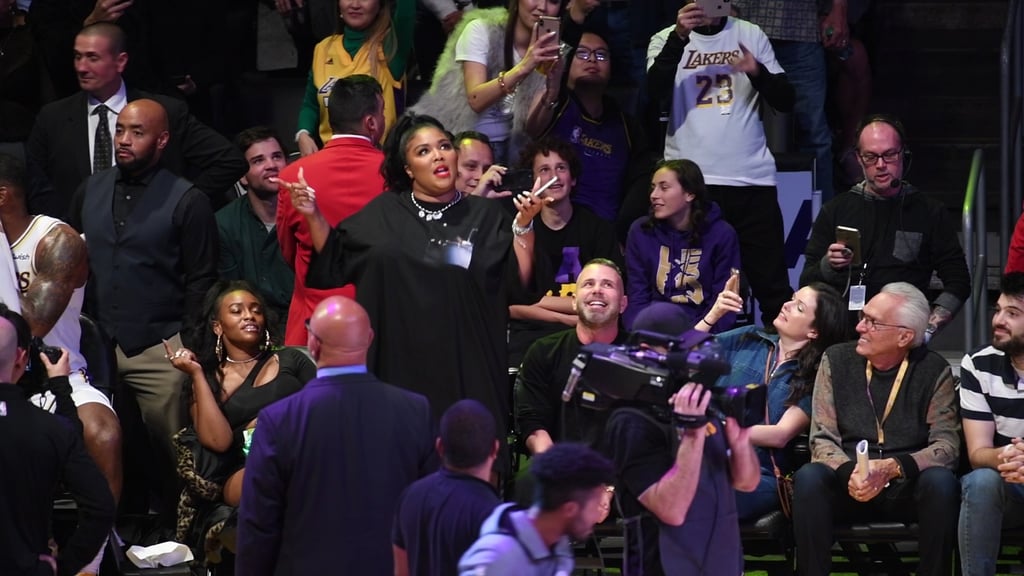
{"x":891,"y":392}
{"x":904,"y":234}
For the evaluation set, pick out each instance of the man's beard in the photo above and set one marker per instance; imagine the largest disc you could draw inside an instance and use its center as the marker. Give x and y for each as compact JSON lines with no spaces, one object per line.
{"x":1013,"y":346}
{"x":136,"y":165}
{"x":263,"y":194}
{"x":590,"y":321}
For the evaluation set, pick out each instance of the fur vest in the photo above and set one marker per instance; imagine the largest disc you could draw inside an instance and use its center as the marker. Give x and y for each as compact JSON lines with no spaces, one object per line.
{"x":447,"y":100}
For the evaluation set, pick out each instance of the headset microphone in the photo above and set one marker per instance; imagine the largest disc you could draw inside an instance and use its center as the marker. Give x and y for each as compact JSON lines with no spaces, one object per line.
{"x":896,"y":183}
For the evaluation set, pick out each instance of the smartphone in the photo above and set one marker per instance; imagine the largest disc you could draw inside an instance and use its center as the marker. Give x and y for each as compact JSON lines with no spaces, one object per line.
{"x":850,"y":237}
{"x":733,"y":283}
{"x":548,"y":24}
{"x":715,"y":8}
{"x":518,"y":180}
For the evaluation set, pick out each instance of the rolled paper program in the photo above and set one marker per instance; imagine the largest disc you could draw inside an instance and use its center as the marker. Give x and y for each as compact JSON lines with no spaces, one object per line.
{"x":862,"y":459}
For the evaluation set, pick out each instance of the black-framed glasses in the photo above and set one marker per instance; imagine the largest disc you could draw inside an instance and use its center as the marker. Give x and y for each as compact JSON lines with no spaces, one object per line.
{"x":874,"y":325}
{"x":888,"y":156}
{"x":310,"y":330}
{"x":584,"y":54}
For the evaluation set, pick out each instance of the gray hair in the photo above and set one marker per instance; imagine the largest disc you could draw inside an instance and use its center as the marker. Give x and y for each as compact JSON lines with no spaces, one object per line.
{"x":915,"y":310}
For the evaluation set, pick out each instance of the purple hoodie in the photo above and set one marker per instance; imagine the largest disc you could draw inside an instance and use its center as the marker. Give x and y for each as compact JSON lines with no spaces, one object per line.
{"x":663,"y":266}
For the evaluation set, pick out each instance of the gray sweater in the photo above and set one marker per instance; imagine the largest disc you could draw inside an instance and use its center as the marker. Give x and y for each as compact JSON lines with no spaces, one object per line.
{"x":923,"y":429}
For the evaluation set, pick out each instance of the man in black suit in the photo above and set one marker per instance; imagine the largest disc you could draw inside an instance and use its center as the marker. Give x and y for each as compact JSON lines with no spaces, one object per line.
{"x":328,"y":463}
{"x":72,"y":138}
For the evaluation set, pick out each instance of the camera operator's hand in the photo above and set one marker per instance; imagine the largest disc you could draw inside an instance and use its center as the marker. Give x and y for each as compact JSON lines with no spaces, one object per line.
{"x":691,"y":400}
{"x":61,"y":368}
{"x":735,"y":434}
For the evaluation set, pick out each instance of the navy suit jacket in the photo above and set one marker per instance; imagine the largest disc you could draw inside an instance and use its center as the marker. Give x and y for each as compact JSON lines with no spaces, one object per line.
{"x":324,"y":474}
{"x":58,"y":153}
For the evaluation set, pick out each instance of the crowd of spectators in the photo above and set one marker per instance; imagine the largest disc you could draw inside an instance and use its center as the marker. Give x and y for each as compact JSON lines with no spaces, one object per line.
{"x":454,"y":224}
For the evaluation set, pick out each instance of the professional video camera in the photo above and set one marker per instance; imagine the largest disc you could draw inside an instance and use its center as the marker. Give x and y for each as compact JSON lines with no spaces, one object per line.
{"x":638,"y":373}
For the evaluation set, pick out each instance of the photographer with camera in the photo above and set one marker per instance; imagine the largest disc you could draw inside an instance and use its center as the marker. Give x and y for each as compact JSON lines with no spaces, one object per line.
{"x":38,"y":451}
{"x":681,"y":468}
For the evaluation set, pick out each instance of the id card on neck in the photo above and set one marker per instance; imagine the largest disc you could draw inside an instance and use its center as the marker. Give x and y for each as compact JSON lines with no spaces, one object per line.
{"x":857,"y":296}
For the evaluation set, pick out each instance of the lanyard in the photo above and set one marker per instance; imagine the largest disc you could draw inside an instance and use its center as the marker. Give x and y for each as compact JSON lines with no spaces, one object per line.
{"x":892,"y":396}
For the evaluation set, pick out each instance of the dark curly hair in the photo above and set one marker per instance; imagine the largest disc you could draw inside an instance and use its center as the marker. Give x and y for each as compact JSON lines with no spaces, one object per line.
{"x":393,"y":167}
{"x":200,"y":337}
{"x":546,"y":146}
{"x":832,"y":324}
{"x":692,"y":180}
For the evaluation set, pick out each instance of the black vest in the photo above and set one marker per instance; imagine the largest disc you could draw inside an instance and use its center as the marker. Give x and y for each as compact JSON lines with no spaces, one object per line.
{"x":138,"y":283}
{"x":906,"y":429}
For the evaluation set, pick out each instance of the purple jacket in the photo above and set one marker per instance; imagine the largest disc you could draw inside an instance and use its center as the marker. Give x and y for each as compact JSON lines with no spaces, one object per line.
{"x":325,"y":471}
{"x":664,"y":266}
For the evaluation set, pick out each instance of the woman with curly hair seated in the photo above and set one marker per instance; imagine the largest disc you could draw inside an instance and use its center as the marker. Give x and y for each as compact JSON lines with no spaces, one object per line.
{"x":235,"y":371}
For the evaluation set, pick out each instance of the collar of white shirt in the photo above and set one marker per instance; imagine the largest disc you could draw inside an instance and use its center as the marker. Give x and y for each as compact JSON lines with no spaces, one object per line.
{"x":115,"y":103}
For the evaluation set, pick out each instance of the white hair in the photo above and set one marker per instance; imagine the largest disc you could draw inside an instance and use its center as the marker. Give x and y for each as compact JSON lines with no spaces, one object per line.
{"x":915,"y":310}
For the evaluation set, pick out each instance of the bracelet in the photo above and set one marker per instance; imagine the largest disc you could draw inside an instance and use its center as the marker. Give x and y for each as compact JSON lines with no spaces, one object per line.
{"x":518,"y":230}
{"x":710,"y":325}
{"x":504,"y":87}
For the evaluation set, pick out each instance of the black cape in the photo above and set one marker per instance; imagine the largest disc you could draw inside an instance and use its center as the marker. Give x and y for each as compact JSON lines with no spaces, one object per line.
{"x":440,"y":327}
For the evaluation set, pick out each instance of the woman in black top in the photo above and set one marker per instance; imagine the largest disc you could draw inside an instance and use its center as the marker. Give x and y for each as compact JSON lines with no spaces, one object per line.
{"x":235,"y":372}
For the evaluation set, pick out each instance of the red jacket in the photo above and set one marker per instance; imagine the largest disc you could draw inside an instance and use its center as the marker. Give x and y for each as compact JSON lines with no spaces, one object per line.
{"x":1015,"y":258}
{"x":346,"y":175}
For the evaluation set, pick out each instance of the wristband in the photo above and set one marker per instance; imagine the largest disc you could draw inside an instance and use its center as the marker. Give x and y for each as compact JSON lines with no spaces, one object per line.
{"x":689,"y":421}
{"x":710,"y":325}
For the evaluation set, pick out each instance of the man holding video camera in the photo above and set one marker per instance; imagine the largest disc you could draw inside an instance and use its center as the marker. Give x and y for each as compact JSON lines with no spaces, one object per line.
{"x":894,"y":394}
{"x":895,"y":231}
{"x":682,"y":472}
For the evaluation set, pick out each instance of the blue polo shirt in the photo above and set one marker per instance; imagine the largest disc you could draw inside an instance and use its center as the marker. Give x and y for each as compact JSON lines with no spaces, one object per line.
{"x":438,"y":519}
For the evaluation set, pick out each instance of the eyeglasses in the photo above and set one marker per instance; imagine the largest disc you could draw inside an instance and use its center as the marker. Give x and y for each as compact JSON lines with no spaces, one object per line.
{"x":584,"y":54}
{"x":888,"y":157}
{"x":311,"y":333}
{"x":874,"y":325}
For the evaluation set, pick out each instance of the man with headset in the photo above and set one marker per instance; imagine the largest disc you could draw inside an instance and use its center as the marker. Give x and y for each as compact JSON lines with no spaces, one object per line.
{"x":903,"y":234}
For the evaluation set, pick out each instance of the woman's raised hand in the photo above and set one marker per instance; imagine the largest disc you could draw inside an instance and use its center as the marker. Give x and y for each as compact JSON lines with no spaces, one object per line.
{"x":727,"y":301}
{"x":529,"y":204}
{"x":183,"y":359}
{"x":303,"y":196}
{"x":543,"y":48}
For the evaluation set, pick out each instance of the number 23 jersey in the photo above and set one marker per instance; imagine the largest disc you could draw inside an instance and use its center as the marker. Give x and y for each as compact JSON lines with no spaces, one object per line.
{"x":714,"y":117}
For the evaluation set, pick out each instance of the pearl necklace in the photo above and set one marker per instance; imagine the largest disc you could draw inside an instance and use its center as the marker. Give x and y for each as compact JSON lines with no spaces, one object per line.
{"x":430,"y":215}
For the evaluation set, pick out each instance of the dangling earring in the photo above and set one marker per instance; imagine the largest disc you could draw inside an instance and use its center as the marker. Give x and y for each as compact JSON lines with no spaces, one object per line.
{"x":218,"y":350}
{"x":266,"y":339}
